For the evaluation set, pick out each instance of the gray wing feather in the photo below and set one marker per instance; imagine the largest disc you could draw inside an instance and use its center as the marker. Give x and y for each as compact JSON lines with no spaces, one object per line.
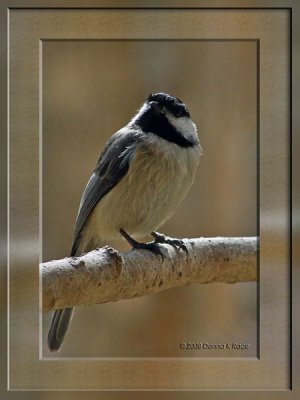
{"x":112,"y":166}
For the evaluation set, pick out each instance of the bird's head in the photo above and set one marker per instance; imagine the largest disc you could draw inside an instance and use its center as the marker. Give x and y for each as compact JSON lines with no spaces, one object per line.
{"x":168,"y":117}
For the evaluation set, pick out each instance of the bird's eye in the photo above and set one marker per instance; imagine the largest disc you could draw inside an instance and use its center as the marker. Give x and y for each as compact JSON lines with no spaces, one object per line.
{"x":182,"y":112}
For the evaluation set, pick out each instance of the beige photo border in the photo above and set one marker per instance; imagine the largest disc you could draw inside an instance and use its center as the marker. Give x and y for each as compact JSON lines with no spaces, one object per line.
{"x":27,"y":30}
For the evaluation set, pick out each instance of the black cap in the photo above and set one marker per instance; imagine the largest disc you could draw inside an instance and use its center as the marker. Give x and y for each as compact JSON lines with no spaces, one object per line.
{"x":171,"y":103}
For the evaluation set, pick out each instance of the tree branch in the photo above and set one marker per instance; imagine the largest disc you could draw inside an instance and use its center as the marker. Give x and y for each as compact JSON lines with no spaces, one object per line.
{"x":105,"y":274}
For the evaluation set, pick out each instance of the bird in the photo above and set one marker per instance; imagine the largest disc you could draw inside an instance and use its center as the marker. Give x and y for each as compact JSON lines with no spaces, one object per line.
{"x":141,"y":176}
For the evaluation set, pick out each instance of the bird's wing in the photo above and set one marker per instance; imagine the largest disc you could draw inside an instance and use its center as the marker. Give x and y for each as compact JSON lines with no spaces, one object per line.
{"x":112,"y":166}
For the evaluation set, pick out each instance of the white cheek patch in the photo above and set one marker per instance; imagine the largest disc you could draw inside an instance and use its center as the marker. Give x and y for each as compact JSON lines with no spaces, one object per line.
{"x":183,"y":125}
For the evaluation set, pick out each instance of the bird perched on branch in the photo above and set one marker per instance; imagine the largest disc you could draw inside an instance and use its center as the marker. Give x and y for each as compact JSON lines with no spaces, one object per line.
{"x":143,"y":173}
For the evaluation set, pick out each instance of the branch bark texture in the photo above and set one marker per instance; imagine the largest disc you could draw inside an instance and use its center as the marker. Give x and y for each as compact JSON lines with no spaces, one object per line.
{"x":105,"y":274}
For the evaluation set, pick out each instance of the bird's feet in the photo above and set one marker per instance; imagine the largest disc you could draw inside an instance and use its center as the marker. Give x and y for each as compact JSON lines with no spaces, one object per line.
{"x":177,"y":243}
{"x":151,"y":246}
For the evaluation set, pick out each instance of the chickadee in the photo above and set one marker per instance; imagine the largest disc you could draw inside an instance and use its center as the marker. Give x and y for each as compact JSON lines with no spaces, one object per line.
{"x":143,"y":173}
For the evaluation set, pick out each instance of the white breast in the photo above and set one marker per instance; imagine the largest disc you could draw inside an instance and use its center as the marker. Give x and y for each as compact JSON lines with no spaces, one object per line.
{"x":159,"y":177}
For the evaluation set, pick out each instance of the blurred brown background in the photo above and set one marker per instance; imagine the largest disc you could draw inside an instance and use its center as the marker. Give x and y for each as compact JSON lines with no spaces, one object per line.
{"x":91,"y":89}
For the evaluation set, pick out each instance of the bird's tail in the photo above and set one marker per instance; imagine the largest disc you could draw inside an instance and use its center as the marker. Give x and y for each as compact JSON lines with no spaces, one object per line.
{"x":59,"y":326}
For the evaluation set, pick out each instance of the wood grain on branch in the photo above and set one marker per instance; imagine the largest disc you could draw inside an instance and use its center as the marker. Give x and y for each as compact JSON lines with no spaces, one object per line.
{"x":105,"y":274}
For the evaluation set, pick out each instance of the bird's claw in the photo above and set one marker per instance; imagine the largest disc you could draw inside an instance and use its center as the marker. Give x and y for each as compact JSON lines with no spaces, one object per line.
{"x":151,"y":246}
{"x":177,"y":243}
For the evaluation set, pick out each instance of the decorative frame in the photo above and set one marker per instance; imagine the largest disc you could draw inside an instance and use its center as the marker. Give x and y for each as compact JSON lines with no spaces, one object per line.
{"x":27,"y":30}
